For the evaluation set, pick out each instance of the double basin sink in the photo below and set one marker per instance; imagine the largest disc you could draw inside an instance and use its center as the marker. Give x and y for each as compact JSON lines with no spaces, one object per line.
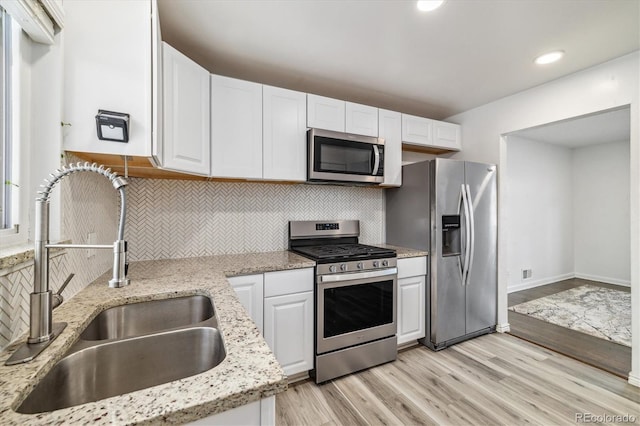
{"x":131,"y":347}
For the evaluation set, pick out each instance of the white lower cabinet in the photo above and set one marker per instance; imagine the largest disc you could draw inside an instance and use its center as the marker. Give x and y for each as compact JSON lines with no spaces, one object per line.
{"x":411,"y":299}
{"x":288,"y":318}
{"x":411,"y":304}
{"x":257,"y":413}
{"x":250,"y":291}
{"x":281,"y":305}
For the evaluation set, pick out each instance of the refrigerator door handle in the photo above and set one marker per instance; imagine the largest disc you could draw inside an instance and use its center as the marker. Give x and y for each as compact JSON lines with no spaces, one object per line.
{"x":461,"y":267}
{"x":467,"y":234}
{"x":472,"y":228}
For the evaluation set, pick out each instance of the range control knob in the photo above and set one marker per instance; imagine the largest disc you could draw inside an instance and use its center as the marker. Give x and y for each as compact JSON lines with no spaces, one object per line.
{"x":333,"y":268}
{"x":360,"y":265}
{"x":343,"y":266}
{"x":385,"y":263}
{"x":376,"y":264}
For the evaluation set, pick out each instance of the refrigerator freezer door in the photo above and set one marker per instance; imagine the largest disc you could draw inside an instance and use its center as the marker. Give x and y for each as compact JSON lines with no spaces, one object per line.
{"x":447,"y":294}
{"x":481,"y":298}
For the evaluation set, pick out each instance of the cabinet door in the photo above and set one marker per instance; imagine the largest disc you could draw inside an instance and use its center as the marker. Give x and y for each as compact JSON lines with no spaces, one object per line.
{"x":288,"y":330}
{"x":250,"y":291}
{"x":325,"y":113}
{"x":411,"y":309}
{"x":361,"y":119}
{"x":186,"y":141}
{"x":390,"y":129}
{"x":284,"y":136}
{"x":447,"y":135}
{"x":417,"y":130}
{"x":236,"y":128}
{"x":107,"y":67}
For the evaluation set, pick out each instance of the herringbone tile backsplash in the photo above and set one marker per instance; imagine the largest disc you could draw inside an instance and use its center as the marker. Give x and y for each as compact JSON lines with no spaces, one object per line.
{"x":174,"y":219}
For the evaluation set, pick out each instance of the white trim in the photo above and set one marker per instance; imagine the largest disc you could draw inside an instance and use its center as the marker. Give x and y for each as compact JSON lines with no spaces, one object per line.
{"x":55,"y":11}
{"x":607,"y":280}
{"x":634,"y":379}
{"x":268,"y":411}
{"x":503,"y":328}
{"x":537,"y":283}
{"x":32,"y":17}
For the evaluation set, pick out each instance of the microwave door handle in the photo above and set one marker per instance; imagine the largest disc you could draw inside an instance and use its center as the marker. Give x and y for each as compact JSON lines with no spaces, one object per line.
{"x":376,"y":160}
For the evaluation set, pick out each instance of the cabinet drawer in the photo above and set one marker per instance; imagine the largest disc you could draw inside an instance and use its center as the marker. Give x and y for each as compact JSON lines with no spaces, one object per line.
{"x":412,"y":267}
{"x":288,"y":282}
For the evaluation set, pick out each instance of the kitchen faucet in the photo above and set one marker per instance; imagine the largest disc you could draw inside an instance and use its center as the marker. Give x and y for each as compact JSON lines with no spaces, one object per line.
{"x":43,"y":301}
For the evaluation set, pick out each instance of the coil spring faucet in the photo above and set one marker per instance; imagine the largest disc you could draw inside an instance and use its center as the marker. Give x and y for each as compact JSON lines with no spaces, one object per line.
{"x":41,"y":329}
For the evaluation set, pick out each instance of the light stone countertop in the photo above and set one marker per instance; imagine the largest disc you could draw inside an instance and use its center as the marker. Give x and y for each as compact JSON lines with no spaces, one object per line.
{"x":248,"y":373}
{"x":404,"y":252}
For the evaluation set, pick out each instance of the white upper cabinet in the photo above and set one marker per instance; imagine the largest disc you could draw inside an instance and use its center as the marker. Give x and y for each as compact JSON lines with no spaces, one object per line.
{"x":186,"y":121}
{"x":390,"y":129}
{"x":284,"y":136}
{"x":236,"y":128}
{"x":417,"y":130}
{"x":447,"y":135}
{"x":108,"y":67}
{"x":430,"y":133}
{"x":325,"y":113}
{"x":340,"y":116}
{"x":361,"y":119}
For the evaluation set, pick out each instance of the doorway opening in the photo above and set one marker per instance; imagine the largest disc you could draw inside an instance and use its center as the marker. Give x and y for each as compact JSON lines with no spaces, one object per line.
{"x":569,"y":237}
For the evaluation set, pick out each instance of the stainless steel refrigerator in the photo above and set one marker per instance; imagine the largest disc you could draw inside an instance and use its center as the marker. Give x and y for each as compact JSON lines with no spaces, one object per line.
{"x":449,"y":208}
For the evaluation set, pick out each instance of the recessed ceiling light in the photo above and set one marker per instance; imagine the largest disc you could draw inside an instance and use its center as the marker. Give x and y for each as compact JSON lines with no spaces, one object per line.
{"x":550,"y":57}
{"x":429,"y":5}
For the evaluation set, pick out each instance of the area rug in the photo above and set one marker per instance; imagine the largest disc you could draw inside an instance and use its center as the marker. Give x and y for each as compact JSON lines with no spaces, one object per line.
{"x":598,"y":311}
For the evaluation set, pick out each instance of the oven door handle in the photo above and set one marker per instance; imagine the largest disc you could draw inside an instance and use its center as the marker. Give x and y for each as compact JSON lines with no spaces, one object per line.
{"x":357,"y":275}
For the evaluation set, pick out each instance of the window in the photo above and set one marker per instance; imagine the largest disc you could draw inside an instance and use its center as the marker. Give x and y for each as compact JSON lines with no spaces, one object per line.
{"x":5,"y":123}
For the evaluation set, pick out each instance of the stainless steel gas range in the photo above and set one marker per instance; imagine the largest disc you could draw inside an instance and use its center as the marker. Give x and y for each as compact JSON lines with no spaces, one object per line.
{"x":355,"y":297}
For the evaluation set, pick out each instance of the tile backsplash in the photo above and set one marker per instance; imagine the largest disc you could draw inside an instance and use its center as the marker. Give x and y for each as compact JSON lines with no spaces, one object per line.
{"x":175,"y":218}
{"x":178,"y":218}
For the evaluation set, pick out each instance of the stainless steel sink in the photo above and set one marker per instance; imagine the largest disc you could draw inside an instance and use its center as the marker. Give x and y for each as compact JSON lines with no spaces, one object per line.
{"x":137,"y":319}
{"x":131,"y":347}
{"x":116,"y":367}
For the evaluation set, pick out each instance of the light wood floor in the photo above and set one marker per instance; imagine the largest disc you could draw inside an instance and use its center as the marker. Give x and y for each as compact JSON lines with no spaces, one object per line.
{"x":609,"y":356}
{"x":496,"y":379}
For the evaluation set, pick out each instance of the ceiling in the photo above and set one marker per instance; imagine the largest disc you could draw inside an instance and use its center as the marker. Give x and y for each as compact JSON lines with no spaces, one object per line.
{"x":593,"y":129}
{"x":387,"y":54}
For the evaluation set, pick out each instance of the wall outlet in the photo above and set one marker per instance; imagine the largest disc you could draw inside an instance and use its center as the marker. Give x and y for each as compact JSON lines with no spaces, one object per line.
{"x":92,"y":238}
{"x":527,"y":273}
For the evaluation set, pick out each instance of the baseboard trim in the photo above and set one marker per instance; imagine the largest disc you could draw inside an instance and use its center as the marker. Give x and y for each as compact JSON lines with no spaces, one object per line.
{"x":634,"y":379}
{"x":537,"y":283}
{"x":503,"y":328}
{"x":607,"y":280}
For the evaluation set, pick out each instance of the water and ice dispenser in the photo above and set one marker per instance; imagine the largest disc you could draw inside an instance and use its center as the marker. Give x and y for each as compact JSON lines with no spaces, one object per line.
{"x":451,"y":235}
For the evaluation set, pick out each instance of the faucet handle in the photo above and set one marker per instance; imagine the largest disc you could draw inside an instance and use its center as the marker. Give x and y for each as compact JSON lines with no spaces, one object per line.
{"x":57,"y":297}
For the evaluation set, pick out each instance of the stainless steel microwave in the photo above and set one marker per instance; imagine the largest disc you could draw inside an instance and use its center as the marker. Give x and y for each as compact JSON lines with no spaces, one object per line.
{"x":344,"y":157}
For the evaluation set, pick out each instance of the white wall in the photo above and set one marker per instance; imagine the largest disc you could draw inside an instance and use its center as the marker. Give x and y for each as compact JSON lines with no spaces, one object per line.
{"x":540,"y":197}
{"x":601,"y":212}
{"x":609,"y":85}
{"x":569,"y":210}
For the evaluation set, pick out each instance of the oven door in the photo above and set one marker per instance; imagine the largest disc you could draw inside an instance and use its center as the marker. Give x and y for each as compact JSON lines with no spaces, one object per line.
{"x":355,"y":308}
{"x":335,"y":156}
